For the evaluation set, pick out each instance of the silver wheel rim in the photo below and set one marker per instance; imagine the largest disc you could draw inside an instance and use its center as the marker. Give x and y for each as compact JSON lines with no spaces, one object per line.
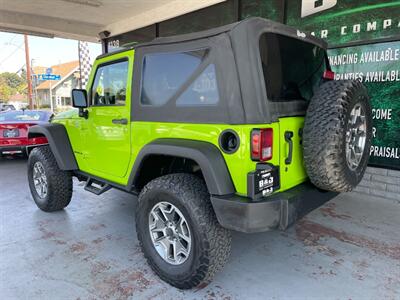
{"x":40,"y":179}
{"x":356,"y":136}
{"x":170,"y":233}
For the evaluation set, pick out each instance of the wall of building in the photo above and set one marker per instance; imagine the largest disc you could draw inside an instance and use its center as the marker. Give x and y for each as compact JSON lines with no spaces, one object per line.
{"x":43,"y":97}
{"x":381,"y":182}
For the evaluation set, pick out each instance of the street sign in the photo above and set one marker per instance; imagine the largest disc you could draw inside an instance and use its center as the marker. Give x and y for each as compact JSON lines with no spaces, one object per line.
{"x":49,"y":77}
{"x":49,"y":71}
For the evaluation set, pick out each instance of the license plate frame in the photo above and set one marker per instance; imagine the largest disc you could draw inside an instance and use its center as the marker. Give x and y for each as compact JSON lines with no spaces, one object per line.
{"x":263,"y":181}
{"x":11,"y":133}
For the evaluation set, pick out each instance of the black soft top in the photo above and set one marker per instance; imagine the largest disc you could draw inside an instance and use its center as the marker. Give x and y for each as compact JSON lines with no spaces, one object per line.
{"x":249,"y":28}
{"x":234,"y":50}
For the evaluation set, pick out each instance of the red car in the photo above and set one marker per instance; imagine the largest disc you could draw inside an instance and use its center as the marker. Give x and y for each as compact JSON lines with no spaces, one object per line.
{"x":14,"y":126}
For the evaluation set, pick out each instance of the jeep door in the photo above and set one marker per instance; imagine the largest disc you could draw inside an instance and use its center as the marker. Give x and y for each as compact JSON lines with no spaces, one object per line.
{"x":107,"y":134}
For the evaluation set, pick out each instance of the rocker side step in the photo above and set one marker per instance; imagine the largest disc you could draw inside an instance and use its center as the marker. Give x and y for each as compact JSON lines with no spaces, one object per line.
{"x":96,"y":187}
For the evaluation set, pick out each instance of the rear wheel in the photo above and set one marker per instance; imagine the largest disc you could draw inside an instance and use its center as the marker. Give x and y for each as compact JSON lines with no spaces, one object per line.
{"x":337,"y":135}
{"x":51,"y":188}
{"x":178,"y":231}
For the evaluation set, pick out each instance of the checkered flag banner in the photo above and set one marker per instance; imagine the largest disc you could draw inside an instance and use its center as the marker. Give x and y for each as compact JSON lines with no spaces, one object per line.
{"x":84,"y":62}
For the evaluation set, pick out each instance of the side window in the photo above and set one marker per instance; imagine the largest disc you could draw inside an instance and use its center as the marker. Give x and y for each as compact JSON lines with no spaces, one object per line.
{"x":164,"y":73}
{"x":109,"y":87}
{"x":203,"y":91}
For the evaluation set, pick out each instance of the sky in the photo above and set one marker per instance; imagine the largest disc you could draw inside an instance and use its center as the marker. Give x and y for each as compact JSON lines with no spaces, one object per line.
{"x":44,"y":52}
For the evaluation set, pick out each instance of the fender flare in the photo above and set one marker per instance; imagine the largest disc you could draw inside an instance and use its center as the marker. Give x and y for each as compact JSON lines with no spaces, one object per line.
{"x":206,"y":155}
{"x":59,"y":143}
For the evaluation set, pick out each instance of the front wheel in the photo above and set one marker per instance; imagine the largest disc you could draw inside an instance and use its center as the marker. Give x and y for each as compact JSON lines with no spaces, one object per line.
{"x":51,"y":188}
{"x":178,"y":231}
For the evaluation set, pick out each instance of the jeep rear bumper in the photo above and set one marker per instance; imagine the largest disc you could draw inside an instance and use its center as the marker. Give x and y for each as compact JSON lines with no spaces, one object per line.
{"x":277,"y":211}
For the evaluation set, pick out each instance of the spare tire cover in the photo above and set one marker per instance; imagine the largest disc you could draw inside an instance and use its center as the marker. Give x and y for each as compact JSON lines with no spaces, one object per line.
{"x":337,"y":135}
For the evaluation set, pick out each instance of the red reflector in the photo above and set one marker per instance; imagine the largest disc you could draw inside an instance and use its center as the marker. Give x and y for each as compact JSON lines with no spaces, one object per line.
{"x":329,"y":75}
{"x":261,"y":144}
{"x":255,"y":144}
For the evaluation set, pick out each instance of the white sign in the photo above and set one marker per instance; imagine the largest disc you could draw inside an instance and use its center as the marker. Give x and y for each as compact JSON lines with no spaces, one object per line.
{"x":310,"y":7}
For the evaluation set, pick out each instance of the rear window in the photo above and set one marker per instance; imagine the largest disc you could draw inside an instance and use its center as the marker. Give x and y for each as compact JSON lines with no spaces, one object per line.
{"x":292,"y":68}
{"x":21,"y":116}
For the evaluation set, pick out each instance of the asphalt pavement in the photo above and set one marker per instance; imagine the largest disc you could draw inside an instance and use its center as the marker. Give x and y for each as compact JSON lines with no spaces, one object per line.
{"x":347,"y":249}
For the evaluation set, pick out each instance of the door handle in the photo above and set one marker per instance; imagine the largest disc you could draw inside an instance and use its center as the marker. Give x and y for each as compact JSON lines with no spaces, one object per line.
{"x":120,"y":121}
{"x":288,"y":139}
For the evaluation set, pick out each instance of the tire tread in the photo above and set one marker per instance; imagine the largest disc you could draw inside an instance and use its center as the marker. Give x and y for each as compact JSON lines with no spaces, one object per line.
{"x":215,"y":239}
{"x":59,"y":181}
{"x":324,"y":134}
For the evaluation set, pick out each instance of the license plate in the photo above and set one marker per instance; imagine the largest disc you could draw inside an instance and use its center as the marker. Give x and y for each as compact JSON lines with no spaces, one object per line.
{"x":11,"y":133}
{"x":263,"y":182}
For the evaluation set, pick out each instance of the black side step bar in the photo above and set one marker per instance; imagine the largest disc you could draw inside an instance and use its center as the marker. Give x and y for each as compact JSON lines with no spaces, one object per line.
{"x":96,"y":187}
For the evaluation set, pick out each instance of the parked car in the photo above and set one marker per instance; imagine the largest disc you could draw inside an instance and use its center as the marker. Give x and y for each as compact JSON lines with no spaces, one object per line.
{"x":236,"y":128}
{"x":14,"y":126}
{"x":6,"y":107}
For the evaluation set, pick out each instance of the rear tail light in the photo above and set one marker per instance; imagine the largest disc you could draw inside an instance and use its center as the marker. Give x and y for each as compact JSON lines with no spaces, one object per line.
{"x":261,"y":144}
{"x":329,"y":75}
{"x":40,"y":140}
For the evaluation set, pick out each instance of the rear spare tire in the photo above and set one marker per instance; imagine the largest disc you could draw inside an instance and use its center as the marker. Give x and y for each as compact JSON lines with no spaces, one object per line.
{"x":337,"y":135}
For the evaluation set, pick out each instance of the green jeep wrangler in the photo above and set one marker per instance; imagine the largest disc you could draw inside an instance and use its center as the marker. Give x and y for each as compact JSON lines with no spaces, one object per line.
{"x":235,"y":128}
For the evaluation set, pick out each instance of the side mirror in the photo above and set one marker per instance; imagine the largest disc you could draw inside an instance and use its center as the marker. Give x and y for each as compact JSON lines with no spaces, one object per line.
{"x":79,"y":100}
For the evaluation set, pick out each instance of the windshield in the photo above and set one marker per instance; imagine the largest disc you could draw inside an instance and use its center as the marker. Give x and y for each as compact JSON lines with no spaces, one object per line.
{"x":21,"y":116}
{"x":292,"y":68}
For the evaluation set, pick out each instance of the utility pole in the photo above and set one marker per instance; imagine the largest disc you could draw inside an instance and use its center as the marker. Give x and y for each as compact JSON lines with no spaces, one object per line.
{"x":28,"y":71}
{"x":34,"y":86}
{"x":51,"y":98}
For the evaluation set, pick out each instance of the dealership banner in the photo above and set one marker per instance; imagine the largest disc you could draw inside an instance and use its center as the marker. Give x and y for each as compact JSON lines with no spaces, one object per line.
{"x":366,"y":26}
{"x":378,"y":67}
{"x":346,"y":21}
{"x":268,"y":9}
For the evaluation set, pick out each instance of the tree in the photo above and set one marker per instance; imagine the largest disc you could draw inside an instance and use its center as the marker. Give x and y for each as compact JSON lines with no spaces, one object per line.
{"x":12,"y":83}
{"x":5,"y":90}
{"x":13,"y":80}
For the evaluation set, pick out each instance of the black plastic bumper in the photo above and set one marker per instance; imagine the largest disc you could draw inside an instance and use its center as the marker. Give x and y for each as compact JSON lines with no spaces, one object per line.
{"x":277,"y":211}
{"x":13,"y":149}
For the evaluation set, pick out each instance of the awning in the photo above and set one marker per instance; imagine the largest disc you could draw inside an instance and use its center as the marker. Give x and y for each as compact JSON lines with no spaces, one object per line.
{"x":86,"y":19}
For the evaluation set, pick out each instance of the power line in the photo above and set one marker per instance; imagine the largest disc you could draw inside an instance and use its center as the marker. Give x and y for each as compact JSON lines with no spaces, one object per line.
{"x":11,"y":54}
{"x":12,"y":38}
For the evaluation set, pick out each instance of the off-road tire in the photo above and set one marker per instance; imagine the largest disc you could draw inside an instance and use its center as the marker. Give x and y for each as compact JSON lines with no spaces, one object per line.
{"x":211,"y":243}
{"x":59,"y":182}
{"x":324,"y":136}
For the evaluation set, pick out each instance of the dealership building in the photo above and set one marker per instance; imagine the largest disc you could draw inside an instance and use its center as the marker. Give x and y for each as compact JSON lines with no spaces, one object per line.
{"x":364,"y":44}
{"x":363,"y":39}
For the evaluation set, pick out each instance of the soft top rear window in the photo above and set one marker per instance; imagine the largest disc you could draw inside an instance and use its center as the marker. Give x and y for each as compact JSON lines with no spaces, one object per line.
{"x":292,"y":68}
